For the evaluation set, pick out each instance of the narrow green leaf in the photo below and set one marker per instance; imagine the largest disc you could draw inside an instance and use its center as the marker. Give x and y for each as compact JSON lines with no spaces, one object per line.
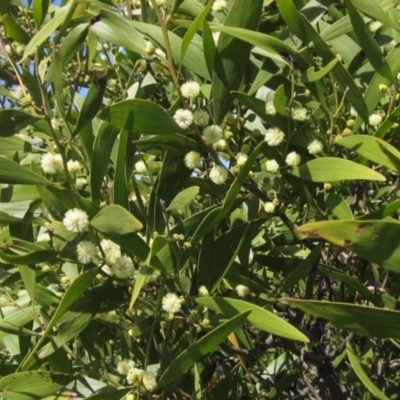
{"x":45,"y":32}
{"x":265,"y":42}
{"x":209,"y":47}
{"x":362,"y":375}
{"x":364,"y":320}
{"x":374,"y":149}
{"x":33,"y":384}
{"x":116,"y":220}
{"x":196,"y":351}
{"x":142,"y":276}
{"x":194,"y":27}
{"x":302,"y":269}
{"x":194,"y":59}
{"x":103,"y":145}
{"x":178,"y":143}
{"x":340,"y":73}
{"x":280,"y":101}
{"x":240,"y":178}
{"x":14,"y":30}
{"x":91,"y":105}
{"x":291,"y":16}
{"x":183,"y":198}
{"x":118,"y":31}
{"x":338,"y":206}
{"x":228,"y":67}
{"x":140,"y":116}
{"x":13,"y":173}
{"x":259,"y":317}
{"x":368,"y":43}
{"x":12,"y":121}
{"x":39,"y":11}
{"x":122,"y":175}
{"x":73,"y":293}
{"x":375,"y":241}
{"x":311,"y":75}
{"x":116,"y":394}
{"x":373,"y":9}
{"x":33,"y":257}
{"x":387,"y":123}
{"x":332,"y":169}
{"x":349,"y":280}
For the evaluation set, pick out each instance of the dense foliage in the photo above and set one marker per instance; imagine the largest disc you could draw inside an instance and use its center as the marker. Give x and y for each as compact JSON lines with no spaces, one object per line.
{"x":199,"y":200}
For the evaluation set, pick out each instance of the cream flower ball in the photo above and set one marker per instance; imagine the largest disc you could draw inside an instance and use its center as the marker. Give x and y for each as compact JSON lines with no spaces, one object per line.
{"x":201,"y":117}
{"x":171,"y":303}
{"x":192,"y":159}
{"x":315,"y":147}
{"x":76,"y":220}
{"x":218,"y":174}
{"x":293,"y":159}
{"x":212,"y":134}
{"x":190,"y":90}
{"x":272,"y":166}
{"x":375,"y":119}
{"x":51,"y":163}
{"x":274,"y":137}
{"x":86,"y":251}
{"x":184,"y":118}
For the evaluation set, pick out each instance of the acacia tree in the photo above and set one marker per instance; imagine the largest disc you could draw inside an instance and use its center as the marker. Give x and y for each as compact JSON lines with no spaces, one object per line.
{"x":199,"y":200}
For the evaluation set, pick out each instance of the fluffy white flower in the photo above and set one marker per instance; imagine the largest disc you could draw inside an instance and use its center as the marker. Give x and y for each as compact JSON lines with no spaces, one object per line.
{"x":220,"y":145}
{"x":274,"y":136}
{"x":218,"y":174}
{"x":122,"y":268}
{"x":73,"y":166}
{"x":190,"y":90}
{"x":375,"y":119}
{"x":76,"y":220}
{"x":212,"y":134}
{"x":51,"y":163}
{"x":272,"y":166}
{"x":299,"y":114}
{"x":242,"y":290}
{"x":111,"y":251}
{"x":315,"y":147}
{"x":201,"y":118}
{"x":270,"y":108}
{"x":219,"y":5}
{"x":124,"y":366}
{"x":203,"y":291}
{"x":241,"y":159}
{"x":293,"y":159}
{"x":86,"y":251}
{"x":134,"y":375}
{"x":149,"y":381}
{"x":192,"y":159}
{"x":269,"y":207}
{"x":374,"y":26}
{"x":171,"y":303}
{"x":183,"y":118}
{"x":140,"y":167}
